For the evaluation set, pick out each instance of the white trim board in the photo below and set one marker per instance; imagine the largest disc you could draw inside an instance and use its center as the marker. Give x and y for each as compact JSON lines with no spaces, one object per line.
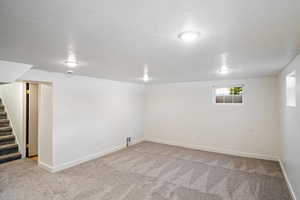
{"x":90,"y":157}
{"x":210,"y":149}
{"x":287,"y":180}
{"x":45,"y":166}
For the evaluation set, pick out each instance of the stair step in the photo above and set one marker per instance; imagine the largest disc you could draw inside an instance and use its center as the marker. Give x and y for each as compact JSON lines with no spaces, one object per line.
{"x":4,"y":123}
{"x":5,"y":129}
{"x":8,"y":148}
{"x":2,"y":108}
{"x":3,"y":115}
{"x":6,"y":133}
{"x":7,"y":139}
{"x":10,"y":157}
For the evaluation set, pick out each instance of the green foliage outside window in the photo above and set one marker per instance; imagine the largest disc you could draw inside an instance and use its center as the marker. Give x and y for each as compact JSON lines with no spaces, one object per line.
{"x":236,"y":91}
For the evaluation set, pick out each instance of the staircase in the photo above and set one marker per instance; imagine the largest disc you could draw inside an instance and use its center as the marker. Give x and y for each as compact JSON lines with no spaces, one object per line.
{"x":9,"y":150}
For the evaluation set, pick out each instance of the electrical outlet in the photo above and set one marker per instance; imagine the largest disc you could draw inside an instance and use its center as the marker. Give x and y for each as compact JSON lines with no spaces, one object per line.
{"x":128,"y":141}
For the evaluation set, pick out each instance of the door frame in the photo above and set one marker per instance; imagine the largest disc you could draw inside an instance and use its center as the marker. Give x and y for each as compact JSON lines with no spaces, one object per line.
{"x":27,"y":117}
{"x":43,"y":160}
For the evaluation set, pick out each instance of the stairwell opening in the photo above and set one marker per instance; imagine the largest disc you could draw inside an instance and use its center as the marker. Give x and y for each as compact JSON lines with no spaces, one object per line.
{"x":26,"y":122}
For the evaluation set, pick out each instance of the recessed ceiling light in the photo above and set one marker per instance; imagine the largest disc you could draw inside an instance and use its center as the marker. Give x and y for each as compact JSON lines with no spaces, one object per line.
{"x":146,"y":77}
{"x":224,"y":70}
{"x":71,"y":63}
{"x":188,"y":36}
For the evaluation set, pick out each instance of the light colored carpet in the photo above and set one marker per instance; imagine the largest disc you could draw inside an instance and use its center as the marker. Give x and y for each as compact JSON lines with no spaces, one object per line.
{"x":148,"y":171}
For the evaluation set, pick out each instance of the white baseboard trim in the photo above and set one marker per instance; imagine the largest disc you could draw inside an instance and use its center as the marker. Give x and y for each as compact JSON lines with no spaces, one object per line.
{"x":287,"y":180}
{"x":67,"y":165}
{"x":73,"y":163}
{"x":45,"y":166}
{"x":216,"y":150}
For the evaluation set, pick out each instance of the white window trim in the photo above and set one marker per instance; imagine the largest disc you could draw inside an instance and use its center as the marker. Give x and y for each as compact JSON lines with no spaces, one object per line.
{"x":227,"y":104}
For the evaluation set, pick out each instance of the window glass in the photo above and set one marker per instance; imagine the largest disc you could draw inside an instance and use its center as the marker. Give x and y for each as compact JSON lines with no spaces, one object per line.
{"x":229,"y":95}
{"x":291,"y":89}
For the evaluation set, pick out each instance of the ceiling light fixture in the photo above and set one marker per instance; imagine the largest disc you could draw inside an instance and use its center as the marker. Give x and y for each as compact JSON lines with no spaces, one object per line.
{"x":188,"y":36}
{"x":71,"y":63}
{"x":224,"y":70}
{"x":146,"y":77}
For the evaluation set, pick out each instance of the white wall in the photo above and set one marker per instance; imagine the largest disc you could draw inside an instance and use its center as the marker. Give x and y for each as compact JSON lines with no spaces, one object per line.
{"x":94,"y":116}
{"x":91,"y":116}
{"x":184,"y":114}
{"x":290,"y":129}
{"x":45,"y":124}
{"x":12,"y":97}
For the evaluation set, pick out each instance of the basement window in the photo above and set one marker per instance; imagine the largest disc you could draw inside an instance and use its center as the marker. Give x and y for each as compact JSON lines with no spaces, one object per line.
{"x":291,"y":89}
{"x":229,"y":95}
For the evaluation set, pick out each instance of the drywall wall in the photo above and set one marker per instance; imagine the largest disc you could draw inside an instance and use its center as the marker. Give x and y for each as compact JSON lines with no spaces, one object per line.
{"x":10,"y":71}
{"x":12,"y":97}
{"x":184,"y":114}
{"x":290,"y":129}
{"x":45,"y":124}
{"x":91,"y":116}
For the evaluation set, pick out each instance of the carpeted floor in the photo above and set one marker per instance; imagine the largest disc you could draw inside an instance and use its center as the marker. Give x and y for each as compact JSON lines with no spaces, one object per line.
{"x":148,"y":171}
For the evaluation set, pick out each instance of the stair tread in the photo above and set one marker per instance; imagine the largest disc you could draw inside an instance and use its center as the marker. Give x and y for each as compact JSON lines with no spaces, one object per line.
{"x":8,"y":146}
{"x":7,"y":128}
{"x":6,"y":137}
{"x":4,"y":120}
{"x":10,"y":155}
{"x":2,"y":133}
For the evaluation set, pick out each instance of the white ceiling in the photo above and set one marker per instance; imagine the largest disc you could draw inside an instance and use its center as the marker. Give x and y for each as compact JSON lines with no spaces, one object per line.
{"x":114,"y":38}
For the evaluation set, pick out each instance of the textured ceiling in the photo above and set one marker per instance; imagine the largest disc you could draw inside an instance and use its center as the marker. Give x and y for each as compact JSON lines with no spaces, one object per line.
{"x":114,"y":38}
